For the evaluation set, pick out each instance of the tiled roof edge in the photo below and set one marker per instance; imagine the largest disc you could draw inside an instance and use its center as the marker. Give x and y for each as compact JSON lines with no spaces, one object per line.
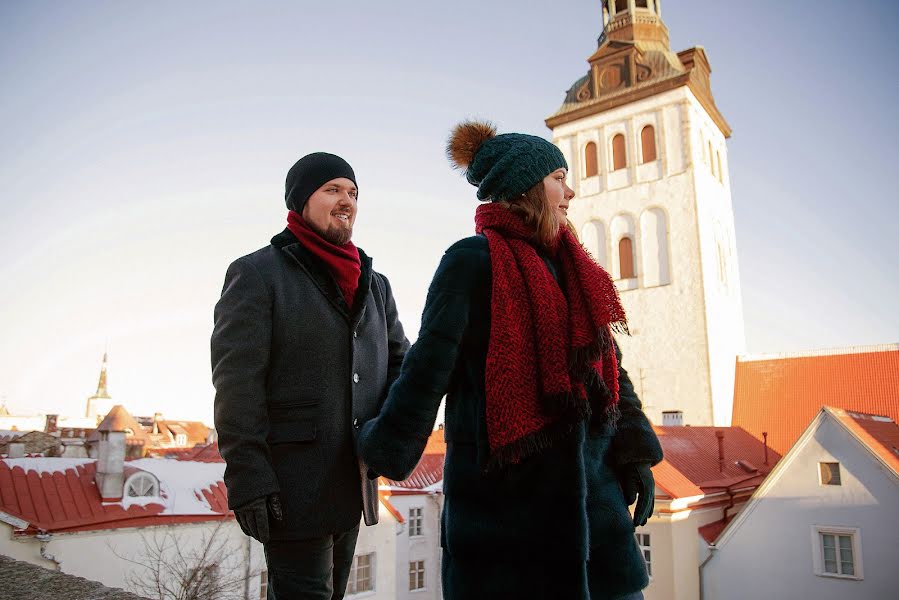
{"x":822,"y":352}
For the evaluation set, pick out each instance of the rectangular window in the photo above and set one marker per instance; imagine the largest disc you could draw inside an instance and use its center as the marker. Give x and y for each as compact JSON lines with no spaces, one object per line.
{"x":837,"y":552}
{"x":644,"y":543}
{"x":263,"y":585}
{"x":416,"y":575}
{"x":830,"y":473}
{"x":415,"y":521}
{"x":362,"y":576}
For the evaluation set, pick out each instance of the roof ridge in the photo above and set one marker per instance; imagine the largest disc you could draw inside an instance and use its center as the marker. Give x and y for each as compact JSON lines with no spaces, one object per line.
{"x":862,"y":349}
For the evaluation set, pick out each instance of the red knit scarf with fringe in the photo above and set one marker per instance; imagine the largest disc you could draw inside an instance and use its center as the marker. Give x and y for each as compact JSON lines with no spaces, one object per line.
{"x":546,"y":342}
{"x":343,"y":262}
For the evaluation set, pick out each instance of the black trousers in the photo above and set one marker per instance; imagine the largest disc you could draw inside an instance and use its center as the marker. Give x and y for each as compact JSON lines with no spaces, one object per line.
{"x":313,"y":569}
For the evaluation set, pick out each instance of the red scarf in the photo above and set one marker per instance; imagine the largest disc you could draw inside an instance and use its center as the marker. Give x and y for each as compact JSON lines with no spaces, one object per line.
{"x":342,"y":261}
{"x":546,"y":342}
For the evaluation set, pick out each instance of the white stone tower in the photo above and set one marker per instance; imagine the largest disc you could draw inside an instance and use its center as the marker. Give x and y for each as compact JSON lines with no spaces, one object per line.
{"x":646,"y":146}
{"x":100,"y":403}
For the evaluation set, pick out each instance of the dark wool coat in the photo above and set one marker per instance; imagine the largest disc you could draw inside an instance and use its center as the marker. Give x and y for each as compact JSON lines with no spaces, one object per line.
{"x":554,"y":526}
{"x":295,"y":375}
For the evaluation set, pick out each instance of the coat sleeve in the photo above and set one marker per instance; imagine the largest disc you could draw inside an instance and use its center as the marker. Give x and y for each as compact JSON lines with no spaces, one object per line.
{"x":397,"y":343}
{"x":241,"y":340}
{"x":392,"y":443}
{"x":634,"y":440}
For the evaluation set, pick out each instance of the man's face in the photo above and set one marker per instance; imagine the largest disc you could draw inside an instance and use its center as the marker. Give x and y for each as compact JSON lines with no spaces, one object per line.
{"x":331,"y":210}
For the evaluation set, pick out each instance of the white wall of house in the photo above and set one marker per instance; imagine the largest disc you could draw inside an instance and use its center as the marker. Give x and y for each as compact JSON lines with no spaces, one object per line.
{"x":771,"y":551}
{"x":380,"y":540}
{"x":104,"y":555}
{"x":424,"y":547}
{"x":675,"y":558}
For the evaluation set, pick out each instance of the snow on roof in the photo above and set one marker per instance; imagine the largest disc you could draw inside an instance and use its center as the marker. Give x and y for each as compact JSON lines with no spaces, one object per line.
{"x":183,"y":482}
{"x":60,"y":494}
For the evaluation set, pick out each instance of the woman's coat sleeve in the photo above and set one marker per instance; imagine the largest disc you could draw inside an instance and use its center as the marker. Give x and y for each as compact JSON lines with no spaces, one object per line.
{"x":392,"y":443}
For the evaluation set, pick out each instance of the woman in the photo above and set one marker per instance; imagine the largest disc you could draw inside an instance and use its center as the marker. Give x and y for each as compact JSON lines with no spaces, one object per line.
{"x":545,"y":435}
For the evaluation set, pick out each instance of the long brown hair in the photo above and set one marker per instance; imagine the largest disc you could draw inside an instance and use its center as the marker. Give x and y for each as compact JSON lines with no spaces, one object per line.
{"x":535,"y":212}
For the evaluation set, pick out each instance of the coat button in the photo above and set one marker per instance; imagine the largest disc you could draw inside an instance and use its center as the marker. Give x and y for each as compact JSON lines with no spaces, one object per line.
{"x":355,"y":334}
{"x":355,"y":377}
{"x":356,"y":423}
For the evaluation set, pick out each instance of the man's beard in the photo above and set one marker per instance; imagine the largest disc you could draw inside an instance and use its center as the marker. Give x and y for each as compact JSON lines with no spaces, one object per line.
{"x":336,"y":235}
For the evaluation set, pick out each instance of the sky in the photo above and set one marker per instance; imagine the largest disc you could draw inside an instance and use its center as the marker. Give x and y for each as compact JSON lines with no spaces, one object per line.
{"x":144,"y":147}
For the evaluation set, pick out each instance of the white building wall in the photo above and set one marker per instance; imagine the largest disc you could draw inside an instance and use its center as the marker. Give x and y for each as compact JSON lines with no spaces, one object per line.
{"x":104,"y":555}
{"x":770,"y":554}
{"x":425,"y":547}
{"x":675,"y":558}
{"x":684,"y":342}
{"x":380,"y":539}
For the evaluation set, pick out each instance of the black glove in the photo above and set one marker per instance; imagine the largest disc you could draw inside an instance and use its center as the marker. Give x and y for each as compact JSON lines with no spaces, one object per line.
{"x":253,"y":517}
{"x":636,"y":480}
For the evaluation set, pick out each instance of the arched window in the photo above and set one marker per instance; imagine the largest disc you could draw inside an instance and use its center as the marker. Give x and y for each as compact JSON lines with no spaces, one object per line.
{"x":593,"y":236}
{"x":720,"y":172}
{"x":648,"y":143}
{"x":590,"y":161}
{"x":619,"y":154}
{"x":655,"y":267}
{"x":711,"y":158}
{"x":626,"y":258}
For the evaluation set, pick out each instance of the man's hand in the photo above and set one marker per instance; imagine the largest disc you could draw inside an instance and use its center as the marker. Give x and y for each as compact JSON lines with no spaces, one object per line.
{"x":636,"y":480}
{"x":253,"y":517}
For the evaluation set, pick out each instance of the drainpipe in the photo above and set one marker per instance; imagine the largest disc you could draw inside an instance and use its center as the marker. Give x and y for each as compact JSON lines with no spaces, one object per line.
{"x":712,"y":548}
{"x":246,"y":579}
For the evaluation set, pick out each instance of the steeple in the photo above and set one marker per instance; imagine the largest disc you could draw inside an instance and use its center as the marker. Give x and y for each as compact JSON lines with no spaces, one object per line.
{"x":633,"y":21}
{"x":101,"y":385}
{"x":101,"y":402}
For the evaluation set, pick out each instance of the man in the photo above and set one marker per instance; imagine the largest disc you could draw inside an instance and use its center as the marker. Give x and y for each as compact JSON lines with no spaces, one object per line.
{"x":305,"y":346}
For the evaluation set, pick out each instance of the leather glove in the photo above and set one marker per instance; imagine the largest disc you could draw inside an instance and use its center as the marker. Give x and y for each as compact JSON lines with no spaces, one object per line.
{"x":636,"y":481}
{"x":253,"y":517}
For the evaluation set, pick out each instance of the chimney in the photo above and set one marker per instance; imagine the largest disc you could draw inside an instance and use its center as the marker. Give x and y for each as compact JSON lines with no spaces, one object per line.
{"x":720,"y":435}
{"x":16,"y":450}
{"x":50,"y":424}
{"x":111,"y":465}
{"x":765,"y":440}
{"x":673,"y":418}
{"x":157,"y":417}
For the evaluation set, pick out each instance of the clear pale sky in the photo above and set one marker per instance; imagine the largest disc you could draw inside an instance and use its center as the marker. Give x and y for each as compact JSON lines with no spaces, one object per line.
{"x":144,"y":147}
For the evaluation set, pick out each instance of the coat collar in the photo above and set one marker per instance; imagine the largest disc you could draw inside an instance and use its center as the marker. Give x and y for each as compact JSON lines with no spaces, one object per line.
{"x":287,"y":243}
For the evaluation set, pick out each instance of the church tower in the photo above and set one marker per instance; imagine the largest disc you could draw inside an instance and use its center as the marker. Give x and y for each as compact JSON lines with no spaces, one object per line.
{"x":100,"y":403}
{"x":646,"y":146}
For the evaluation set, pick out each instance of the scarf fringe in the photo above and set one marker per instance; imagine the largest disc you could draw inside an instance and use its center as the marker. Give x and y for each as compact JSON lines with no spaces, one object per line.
{"x":529,"y":445}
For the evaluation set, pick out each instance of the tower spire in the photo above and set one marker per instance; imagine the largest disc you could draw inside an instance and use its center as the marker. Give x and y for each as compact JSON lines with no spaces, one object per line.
{"x":101,"y":384}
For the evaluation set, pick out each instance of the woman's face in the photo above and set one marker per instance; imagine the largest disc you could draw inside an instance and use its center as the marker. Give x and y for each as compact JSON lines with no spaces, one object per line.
{"x":558,"y":194}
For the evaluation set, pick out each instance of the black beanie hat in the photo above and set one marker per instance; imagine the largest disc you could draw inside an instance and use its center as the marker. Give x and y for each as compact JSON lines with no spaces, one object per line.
{"x":310,"y":173}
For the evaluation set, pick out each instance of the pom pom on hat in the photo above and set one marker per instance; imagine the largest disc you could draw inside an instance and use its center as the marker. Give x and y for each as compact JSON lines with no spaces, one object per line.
{"x":465,"y":140}
{"x":501,"y":166}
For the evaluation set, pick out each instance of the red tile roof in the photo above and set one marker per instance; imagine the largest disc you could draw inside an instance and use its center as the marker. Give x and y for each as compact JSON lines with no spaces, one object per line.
{"x":59,"y":494}
{"x":119,"y":419}
{"x":208,"y":453}
{"x":711,"y":531}
{"x":782,"y":394}
{"x":691,"y":466}
{"x":428,"y":473}
{"x":879,"y":434}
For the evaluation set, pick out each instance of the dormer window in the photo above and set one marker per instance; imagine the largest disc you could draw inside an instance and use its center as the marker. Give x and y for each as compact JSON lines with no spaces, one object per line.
{"x":141,"y":485}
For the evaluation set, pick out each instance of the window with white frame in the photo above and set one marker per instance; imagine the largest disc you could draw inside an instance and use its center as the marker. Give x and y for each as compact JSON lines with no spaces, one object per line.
{"x":416,"y":575}
{"x":415,"y":521}
{"x":644,"y":542}
{"x":263,"y":585}
{"x":362,"y":575}
{"x":837,"y":552}
{"x":829,"y":473}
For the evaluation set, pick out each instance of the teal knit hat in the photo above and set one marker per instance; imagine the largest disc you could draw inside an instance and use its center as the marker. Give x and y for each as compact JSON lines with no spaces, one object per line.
{"x":501,"y":166}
